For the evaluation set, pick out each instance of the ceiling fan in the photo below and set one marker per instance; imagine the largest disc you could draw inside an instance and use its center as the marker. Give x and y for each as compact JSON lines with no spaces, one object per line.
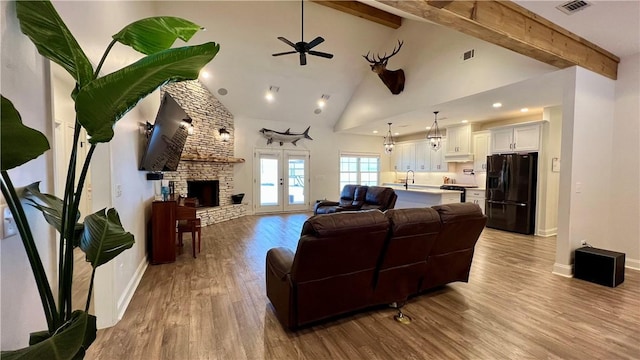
{"x":303,"y":47}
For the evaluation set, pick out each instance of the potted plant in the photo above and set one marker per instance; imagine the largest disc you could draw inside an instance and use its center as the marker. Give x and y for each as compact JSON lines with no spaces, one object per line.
{"x":100,"y":101}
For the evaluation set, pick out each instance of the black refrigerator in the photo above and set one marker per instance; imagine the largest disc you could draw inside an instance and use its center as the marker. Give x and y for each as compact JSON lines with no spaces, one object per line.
{"x":511,"y":192}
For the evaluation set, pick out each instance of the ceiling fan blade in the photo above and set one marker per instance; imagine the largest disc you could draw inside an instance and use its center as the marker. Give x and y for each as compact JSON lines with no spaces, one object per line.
{"x":315,"y":42}
{"x":286,"y":41}
{"x":284,"y":53}
{"x":303,"y":59}
{"x":322,"y":54}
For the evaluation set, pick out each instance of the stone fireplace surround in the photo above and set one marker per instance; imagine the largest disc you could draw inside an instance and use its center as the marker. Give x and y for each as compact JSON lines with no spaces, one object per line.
{"x":208,"y":115}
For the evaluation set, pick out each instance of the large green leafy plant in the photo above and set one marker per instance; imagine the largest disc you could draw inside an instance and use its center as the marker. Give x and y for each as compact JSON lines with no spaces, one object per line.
{"x":100,"y":101}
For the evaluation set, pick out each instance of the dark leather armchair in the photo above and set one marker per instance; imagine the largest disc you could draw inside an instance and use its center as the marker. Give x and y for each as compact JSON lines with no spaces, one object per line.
{"x":451,"y":255}
{"x":359,"y":197}
{"x":332,"y":270}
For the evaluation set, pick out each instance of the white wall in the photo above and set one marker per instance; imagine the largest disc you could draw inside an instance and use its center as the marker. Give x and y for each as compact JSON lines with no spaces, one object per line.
{"x":436,"y":79}
{"x":625,"y":164}
{"x":24,"y":81}
{"x":548,"y":180}
{"x":324,"y":149}
{"x":586,"y":176}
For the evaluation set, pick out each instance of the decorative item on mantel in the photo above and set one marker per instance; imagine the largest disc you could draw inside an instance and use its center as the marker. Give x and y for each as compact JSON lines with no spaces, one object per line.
{"x":211,"y":158}
{"x":286,"y":136}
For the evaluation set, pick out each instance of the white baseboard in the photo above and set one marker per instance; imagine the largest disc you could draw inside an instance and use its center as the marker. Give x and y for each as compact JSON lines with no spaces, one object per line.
{"x":547,"y":232}
{"x":563,"y":270}
{"x":632,"y":264}
{"x":124,"y":300}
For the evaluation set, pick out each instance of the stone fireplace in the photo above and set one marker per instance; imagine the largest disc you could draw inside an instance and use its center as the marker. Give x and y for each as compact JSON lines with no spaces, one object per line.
{"x":202,"y":160}
{"x":207,"y":192}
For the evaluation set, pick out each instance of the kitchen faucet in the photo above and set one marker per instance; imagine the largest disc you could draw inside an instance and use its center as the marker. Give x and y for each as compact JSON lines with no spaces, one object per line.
{"x":406,"y":179}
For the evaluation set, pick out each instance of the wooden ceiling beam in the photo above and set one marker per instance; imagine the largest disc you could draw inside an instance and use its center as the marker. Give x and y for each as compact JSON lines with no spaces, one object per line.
{"x":364,"y":11}
{"x":511,"y":26}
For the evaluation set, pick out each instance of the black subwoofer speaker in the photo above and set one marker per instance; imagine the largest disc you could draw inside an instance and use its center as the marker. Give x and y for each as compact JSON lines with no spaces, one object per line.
{"x":599,"y":266}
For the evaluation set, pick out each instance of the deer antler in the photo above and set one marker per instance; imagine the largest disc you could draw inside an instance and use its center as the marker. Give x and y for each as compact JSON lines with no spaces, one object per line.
{"x":373,"y":61}
{"x":395,"y":51}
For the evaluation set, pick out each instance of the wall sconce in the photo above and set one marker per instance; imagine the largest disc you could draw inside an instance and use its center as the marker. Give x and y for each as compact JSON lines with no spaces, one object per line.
{"x":323,"y":100}
{"x":224,"y":134}
{"x":186,"y":124}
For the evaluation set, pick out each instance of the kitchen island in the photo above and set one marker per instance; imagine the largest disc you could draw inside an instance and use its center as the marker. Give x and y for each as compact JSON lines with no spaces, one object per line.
{"x":422,"y":195}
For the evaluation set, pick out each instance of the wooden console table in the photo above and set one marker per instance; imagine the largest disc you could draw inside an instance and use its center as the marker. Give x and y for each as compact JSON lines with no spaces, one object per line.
{"x":162,"y":243}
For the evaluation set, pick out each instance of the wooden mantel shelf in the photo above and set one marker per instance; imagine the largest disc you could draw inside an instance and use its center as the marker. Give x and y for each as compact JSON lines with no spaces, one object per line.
{"x":212,"y":158}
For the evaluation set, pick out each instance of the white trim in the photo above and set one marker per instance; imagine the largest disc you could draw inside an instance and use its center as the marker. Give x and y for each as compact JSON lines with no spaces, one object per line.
{"x":632,"y":264}
{"x":563,"y":270}
{"x":547,"y":232}
{"x":126,"y":297}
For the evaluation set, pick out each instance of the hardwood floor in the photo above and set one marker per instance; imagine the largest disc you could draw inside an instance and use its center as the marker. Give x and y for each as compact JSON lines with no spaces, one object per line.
{"x":215,"y":307}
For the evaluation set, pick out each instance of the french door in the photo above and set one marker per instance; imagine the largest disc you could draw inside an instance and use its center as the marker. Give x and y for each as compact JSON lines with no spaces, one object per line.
{"x":281,"y":180}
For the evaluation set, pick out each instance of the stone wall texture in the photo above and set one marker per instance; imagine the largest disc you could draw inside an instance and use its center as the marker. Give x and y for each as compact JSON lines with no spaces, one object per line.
{"x":208,"y":116}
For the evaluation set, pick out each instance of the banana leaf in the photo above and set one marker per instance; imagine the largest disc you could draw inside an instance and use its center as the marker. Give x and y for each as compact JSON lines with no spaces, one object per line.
{"x":51,"y":208}
{"x":40,"y":21}
{"x":105,"y":100}
{"x":104,"y":238}
{"x":71,"y":338}
{"x":18,"y":143}
{"x":155,"y":34}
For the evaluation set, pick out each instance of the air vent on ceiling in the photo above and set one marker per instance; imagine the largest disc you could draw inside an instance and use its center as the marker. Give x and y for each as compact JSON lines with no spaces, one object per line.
{"x":573,"y":6}
{"x":468,"y":55}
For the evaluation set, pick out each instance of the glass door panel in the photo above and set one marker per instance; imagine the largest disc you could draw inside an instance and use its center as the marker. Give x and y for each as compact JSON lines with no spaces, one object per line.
{"x":282,"y":178}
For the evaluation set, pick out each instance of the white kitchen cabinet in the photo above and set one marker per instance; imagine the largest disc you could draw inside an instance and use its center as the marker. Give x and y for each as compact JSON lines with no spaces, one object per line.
{"x":476,"y":197}
{"x":408,"y":156}
{"x":481,"y":148}
{"x":396,"y":158}
{"x":515,"y":139}
{"x":438,"y":164}
{"x":423,"y":157}
{"x":458,"y":140}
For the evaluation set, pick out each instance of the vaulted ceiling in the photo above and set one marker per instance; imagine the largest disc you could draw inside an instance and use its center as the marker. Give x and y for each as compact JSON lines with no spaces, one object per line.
{"x":359,"y":102}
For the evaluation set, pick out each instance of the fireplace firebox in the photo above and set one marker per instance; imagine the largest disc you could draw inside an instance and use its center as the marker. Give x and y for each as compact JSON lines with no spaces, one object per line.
{"x":206,"y":191}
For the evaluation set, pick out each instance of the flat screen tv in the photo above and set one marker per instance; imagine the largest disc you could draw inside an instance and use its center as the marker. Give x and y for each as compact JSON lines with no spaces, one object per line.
{"x":167,"y":139}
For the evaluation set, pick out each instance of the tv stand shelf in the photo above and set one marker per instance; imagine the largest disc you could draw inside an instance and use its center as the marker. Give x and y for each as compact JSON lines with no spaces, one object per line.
{"x":212,"y":158}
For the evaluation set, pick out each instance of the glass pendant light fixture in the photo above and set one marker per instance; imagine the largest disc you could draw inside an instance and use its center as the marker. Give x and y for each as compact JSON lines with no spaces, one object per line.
{"x":388,"y":142}
{"x":434,"y":136}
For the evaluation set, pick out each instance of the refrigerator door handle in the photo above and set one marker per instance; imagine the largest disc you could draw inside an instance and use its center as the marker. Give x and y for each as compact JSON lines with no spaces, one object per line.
{"x":506,"y":203}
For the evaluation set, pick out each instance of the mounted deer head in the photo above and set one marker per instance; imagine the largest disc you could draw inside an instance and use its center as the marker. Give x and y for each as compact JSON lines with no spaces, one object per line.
{"x":394,"y":79}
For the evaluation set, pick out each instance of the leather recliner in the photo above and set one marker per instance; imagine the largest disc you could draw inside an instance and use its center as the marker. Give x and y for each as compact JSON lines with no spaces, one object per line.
{"x":349,"y":261}
{"x":332,"y":270}
{"x":359,"y":197}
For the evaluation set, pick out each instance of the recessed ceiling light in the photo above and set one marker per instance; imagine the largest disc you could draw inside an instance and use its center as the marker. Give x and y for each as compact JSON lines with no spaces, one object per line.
{"x":323,"y":100}
{"x":428,"y":127}
{"x":465,"y":121}
{"x":497,"y":105}
{"x":396,"y":133}
{"x":524,"y":110}
{"x":223,"y":91}
{"x":270,"y":93}
{"x":204,"y":74}
{"x":317,"y":111}
{"x":269,"y":96}
{"x":375,"y":131}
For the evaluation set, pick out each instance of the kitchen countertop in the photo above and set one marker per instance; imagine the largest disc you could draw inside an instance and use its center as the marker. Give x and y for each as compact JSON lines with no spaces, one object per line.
{"x":428,"y":189}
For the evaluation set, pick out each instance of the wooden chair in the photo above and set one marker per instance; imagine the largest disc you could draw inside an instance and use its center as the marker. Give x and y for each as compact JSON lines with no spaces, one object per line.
{"x":188,"y":222}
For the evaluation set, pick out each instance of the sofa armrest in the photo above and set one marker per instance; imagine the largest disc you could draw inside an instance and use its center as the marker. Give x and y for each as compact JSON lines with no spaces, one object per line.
{"x":348,"y":208}
{"x":279,"y":261}
{"x":327,"y":203}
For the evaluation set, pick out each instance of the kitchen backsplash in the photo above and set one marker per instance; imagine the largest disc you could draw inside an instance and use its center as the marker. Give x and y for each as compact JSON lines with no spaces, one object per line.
{"x":436,"y":178}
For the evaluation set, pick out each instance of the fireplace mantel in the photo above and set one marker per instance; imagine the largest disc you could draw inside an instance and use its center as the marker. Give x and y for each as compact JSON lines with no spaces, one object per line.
{"x":212,"y":158}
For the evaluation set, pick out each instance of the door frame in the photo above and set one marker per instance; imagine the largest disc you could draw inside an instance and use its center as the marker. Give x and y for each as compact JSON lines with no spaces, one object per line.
{"x":283,"y":205}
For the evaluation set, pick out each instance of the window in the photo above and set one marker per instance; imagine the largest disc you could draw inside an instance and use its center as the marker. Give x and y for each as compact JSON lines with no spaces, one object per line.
{"x":359,"y":169}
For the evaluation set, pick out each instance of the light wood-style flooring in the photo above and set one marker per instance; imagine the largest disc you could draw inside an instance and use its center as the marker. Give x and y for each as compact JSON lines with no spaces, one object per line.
{"x":215,"y":307}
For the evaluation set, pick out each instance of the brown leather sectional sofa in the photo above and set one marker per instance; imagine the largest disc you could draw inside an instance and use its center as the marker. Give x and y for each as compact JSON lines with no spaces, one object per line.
{"x":349,"y":261}
{"x":358,"y":198}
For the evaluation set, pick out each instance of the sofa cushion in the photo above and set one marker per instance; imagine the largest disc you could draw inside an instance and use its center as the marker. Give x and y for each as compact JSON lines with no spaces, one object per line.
{"x":347,"y":194}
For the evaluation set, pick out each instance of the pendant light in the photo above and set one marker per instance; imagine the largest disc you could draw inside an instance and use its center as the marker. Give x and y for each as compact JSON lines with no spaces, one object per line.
{"x":434,"y":136}
{"x":388,"y":142}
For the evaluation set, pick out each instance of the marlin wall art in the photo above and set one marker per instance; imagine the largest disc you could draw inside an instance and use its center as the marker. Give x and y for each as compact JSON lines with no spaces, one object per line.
{"x":282,"y":137}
